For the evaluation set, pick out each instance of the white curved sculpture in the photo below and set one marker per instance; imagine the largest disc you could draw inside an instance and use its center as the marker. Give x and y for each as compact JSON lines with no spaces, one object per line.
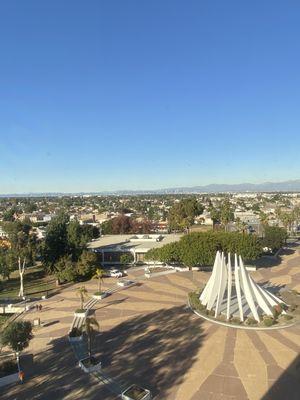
{"x":234,"y":292}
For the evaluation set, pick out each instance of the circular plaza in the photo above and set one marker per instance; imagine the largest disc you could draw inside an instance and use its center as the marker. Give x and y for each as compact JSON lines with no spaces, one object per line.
{"x":149,"y":336}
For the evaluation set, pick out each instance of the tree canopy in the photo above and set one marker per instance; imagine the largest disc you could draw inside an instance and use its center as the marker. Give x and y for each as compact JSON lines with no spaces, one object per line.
{"x":274,"y":237}
{"x":17,"y":335}
{"x":199,"y":248}
{"x":183,"y":213}
{"x":123,"y":224}
{"x":22,"y":243}
{"x":64,"y":249}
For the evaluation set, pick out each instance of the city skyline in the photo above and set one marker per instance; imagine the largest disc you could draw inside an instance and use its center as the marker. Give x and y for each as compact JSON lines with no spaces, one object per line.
{"x":147,"y":96}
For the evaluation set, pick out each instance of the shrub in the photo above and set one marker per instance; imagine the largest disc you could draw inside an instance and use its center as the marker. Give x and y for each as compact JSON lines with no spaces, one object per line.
{"x":250,"y":321}
{"x":221,"y":317}
{"x":194,"y":300}
{"x":235,"y":321}
{"x":80,"y":310}
{"x":277,"y":310}
{"x":211,"y":313}
{"x":8,"y":368}
{"x":283,"y":306}
{"x":268,"y":321}
{"x":287,"y":317}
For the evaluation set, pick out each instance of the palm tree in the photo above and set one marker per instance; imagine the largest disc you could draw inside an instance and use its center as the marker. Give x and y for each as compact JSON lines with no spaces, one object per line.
{"x":241,"y":225}
{"x":99,"y":275}
{"x":89,"y":327}
{"x":263,"y":218}
{"x":82,"y":293}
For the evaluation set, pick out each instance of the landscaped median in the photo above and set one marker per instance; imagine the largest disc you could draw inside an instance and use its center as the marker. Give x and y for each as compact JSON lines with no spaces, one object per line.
{"x":283,"y":315}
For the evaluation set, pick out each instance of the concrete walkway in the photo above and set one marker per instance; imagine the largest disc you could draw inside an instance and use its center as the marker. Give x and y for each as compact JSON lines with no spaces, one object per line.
{"x":149,"y":337}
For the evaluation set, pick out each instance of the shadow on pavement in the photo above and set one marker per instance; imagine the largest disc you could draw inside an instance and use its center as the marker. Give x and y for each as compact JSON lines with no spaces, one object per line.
{"x":52,"y":374}
{"x":288,"y":384}
{"x":153,"y":350}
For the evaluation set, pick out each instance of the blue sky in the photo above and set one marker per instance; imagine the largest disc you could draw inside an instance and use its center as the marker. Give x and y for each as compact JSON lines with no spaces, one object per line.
{"x":105,"y":95}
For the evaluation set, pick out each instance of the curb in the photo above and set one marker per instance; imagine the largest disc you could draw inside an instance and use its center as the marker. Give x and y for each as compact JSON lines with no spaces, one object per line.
{"x":258,"y":328}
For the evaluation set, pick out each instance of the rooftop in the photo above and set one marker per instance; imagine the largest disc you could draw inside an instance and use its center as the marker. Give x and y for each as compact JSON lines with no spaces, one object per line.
{"x":141,"y":243}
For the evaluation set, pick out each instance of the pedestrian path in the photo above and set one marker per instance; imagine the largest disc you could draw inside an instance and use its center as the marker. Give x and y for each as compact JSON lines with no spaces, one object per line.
{"x":80,"y":349}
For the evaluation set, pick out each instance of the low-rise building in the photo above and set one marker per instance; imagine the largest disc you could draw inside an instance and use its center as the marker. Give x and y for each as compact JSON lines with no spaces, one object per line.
{"x":111,"y":247}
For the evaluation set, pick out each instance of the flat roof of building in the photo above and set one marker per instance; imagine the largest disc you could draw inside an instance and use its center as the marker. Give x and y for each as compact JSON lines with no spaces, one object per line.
{"x":138,"y":243}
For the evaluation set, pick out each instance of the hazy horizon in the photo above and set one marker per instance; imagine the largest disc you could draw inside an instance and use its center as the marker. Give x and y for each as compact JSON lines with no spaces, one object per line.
{"x":292,"y":182}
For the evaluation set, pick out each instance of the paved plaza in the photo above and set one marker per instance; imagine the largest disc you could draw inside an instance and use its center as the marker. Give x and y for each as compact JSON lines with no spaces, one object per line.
{"x":148,"y":336}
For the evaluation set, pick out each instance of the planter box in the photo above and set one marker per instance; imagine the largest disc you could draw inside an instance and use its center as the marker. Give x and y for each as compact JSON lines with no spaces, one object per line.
{"x":74,"y":339}
{"x":125,"y":282}
{"x":89,"y":368}
{"x":181,"y":269}
{"x":135,"y":392}
{"x":6,"y":380}
{"x":99,"y":296}
{"x":81,"y":314}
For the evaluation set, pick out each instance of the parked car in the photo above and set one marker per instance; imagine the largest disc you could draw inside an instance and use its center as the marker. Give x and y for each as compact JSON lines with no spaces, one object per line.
{"x":116,"y":273}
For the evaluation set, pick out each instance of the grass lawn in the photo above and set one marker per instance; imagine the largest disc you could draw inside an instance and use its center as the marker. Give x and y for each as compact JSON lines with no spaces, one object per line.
{"x":35,"y":283}
{"x":3,"y":319}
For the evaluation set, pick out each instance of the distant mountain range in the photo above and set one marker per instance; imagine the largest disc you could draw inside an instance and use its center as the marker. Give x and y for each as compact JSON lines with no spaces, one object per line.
{"x":286,"y":186}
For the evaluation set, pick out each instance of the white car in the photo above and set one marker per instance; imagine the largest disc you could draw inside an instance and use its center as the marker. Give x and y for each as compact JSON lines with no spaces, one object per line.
{"x":116,"y":273}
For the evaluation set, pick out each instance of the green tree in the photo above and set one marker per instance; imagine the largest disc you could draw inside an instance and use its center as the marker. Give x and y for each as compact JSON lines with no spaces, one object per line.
{"x":22,"y":249}
{"x":8,"y":215}
{"x":240,"y":225}
{"x":274,"y":237}
{"x":76,"y":239}
{"x":99,"y":276}
{"x":106,"y":227}
{"x":6,"y":267}
{"x":263,"y":218}
{"x":82,"y":294}
{"x":56,"y":241}
{"x":126,"y":258}
{"x":169,"y":253}
{"x":89,"y":327}
{"x":296,"y":216}
{"x":215,"y":214}
{"x":226,"y":213}
{"x":183,"y":213}
{"x":89,"y":232}
{"x":199,"y":248}
{"x":64,"y":238}
{"x":65,"y":269}
{"x":29,"y":207}
{"x":17,"y":335}
{"x":86,"y":264}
